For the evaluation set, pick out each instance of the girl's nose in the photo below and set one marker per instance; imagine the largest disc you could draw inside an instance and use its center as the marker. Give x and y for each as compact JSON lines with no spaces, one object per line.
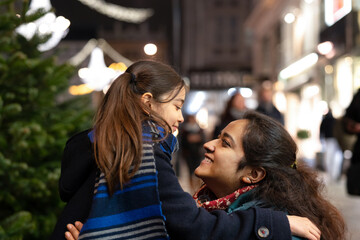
{"x":181,"y":118}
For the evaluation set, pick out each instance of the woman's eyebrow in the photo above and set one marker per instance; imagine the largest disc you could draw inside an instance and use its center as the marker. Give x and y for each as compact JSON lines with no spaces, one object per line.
{"x":225,"y":134}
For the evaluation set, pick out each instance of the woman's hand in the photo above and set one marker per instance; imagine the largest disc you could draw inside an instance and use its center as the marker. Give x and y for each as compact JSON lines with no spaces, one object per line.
{"x":74,"y":231}
{"x":303,"y":227}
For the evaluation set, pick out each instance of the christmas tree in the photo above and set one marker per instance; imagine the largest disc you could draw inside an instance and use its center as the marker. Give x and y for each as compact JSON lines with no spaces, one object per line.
{"x":34,"y":126}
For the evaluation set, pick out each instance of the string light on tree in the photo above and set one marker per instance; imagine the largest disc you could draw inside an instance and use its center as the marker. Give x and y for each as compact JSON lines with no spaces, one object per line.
{"x":49,"y":24}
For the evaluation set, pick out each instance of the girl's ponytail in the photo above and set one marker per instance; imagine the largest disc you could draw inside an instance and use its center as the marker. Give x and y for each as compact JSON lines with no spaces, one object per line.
{"x":118,"y":135}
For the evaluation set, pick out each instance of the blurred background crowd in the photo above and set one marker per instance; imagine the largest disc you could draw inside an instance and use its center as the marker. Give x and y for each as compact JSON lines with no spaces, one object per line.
{"x":297,"y":61}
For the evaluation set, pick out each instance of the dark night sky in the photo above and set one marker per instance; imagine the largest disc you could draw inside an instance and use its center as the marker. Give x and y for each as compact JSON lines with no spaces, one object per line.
{"x":85,"y":20}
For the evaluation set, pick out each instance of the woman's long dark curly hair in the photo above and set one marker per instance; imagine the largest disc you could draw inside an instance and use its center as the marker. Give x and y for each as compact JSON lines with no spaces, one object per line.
{"x":287,"y":187}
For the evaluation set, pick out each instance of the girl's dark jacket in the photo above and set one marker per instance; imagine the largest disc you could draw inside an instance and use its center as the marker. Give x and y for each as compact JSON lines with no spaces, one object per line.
{"x":184,"y":220}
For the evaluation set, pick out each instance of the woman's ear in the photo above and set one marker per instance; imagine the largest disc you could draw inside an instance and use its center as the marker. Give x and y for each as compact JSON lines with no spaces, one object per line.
{"x":254,"y":175}
{"x":146,"y":99}
{"x":257,"y":174}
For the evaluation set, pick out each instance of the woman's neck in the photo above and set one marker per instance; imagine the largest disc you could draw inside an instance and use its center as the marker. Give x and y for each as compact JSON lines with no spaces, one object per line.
{"x":220,"y":190}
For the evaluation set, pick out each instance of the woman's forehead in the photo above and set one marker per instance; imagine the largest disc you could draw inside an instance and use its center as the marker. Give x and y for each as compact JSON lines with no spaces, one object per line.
{"x":236,"y":128}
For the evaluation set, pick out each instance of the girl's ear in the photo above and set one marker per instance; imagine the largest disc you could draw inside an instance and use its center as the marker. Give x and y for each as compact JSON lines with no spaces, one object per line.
{"x":146,"y":99}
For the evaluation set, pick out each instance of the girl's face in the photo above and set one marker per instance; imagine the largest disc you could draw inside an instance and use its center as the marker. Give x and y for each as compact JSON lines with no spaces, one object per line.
{"x":171,"y":111}
{"x":219,"y":169}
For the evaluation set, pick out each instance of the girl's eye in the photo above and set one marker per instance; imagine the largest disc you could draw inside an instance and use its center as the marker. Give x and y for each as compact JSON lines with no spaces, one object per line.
{"x":178,"y":108}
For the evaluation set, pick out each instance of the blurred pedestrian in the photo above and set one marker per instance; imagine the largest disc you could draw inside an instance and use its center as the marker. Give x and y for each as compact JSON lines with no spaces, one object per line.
{"x":266,"y":105}
{"x":351,"y":122}
{"x":234,"y":109}
{"x":333,"y":157}
{"x":191,"y":139}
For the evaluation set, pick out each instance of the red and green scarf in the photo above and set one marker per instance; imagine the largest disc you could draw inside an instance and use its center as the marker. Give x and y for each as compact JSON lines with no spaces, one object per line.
{"x":206,"y":199}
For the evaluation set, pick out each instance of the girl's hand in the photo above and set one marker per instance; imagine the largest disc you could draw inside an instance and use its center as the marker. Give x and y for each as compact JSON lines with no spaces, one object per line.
{"x":303,"y":227}
{"x":74,"y":231}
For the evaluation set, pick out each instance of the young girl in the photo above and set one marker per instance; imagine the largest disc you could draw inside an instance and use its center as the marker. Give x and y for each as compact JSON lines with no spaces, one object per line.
{"x":253,"y":163}
{"x":133,"y":154}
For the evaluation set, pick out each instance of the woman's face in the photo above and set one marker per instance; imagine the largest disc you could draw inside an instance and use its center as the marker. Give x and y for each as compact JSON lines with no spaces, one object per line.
{"x":171,"y":111}
{"x":219,"y":169}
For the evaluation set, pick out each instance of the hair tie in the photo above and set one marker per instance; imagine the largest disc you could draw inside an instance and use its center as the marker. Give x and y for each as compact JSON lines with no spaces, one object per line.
{"x":132,"y":79}
{"x":294,"y":165}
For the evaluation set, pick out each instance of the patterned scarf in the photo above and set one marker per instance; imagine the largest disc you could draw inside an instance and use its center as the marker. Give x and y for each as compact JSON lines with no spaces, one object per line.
{"x":133,"y":212}
{"x":207,"y":199}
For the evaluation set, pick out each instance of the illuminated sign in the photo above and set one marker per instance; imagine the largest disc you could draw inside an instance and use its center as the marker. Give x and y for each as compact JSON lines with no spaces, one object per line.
{"x":335,"y":10}
{"x":215,"y":80}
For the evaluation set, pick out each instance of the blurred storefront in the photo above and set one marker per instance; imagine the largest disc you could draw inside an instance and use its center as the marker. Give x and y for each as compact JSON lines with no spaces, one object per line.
{"x":285,"y":36}
{"x":215,"y":57}
{"x":312,"y":79}
{"x":341,"y":65}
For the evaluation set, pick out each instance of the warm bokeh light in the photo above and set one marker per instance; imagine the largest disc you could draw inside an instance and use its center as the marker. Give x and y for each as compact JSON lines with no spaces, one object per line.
{"x":244,"y":91}
{"x":150,"y":49}
{"x":289,"y":18}
{"x":118,"y":66}
{"x":325,"y":47}
{"x":299,"y":66}
{"x":329,"y":69}
{"x":196,"y":102}
{"x":202,"y":117}
{"x":310,"y":91}
{"x":80,"y":89}
{"x":97,"y":76}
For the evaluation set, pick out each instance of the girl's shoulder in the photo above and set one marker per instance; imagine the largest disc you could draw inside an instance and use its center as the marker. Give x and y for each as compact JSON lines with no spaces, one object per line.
{"x":79,"y":137}
{"x":166,"y":141}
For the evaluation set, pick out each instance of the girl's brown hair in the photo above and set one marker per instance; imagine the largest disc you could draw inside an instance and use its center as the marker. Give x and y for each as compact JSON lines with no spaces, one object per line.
{"x":118,"y":122}
{"x":290,"y":187}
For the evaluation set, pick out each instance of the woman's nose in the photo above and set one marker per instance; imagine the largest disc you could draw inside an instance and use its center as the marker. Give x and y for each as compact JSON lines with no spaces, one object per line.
{"x":210,"y":146}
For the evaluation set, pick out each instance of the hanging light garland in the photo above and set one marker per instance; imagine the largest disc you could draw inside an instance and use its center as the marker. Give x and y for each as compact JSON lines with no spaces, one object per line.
{"x":132,"y":15}
{"x":97,"y":77}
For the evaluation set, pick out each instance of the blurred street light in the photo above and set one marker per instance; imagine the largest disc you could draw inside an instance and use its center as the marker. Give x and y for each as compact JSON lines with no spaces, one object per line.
{"x":299,"y":66}
{"x":289,"y":18}
{"x":325,"y":48}
{"x":150,"y":49}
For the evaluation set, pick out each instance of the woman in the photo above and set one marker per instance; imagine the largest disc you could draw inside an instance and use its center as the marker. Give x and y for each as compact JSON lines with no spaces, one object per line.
{"x":149,"y":94}
{"x":253,"y":163}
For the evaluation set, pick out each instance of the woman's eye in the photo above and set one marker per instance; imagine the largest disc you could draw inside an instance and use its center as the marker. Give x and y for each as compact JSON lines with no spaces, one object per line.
{"x":225,"y":143}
